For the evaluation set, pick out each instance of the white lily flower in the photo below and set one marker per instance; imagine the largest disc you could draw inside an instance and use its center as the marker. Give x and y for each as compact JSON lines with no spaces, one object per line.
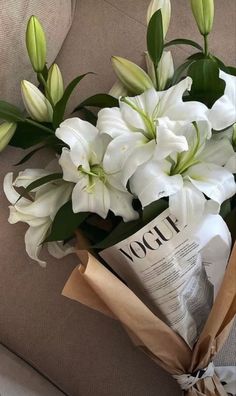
{"x":223,"y":112}
{"x":140,"y":127}
{"x":228,"y":157}
{"x":189,"y":176}
{"x":39,"y":210}
{"x":96,"y":190}
{"x":165,"y":7}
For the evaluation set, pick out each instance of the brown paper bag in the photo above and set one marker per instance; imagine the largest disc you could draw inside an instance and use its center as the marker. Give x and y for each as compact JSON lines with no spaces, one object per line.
{"x":95,"y":286}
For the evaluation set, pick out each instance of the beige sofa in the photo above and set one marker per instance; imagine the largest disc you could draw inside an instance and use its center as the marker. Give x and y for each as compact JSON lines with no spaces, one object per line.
{"x":82,"y":352}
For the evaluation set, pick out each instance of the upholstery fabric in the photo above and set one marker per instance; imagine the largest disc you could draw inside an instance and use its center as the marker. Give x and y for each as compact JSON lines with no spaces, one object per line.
{"x":19,"y":379}
{"x":56,"y":17}
{"x":80,"y":350}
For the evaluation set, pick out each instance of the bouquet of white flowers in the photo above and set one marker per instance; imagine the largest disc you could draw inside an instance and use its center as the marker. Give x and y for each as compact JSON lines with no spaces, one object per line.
{"x":145,"y":184}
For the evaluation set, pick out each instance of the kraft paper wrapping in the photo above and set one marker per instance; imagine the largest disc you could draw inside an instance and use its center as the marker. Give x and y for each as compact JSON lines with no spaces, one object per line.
{"x":95,"y":286}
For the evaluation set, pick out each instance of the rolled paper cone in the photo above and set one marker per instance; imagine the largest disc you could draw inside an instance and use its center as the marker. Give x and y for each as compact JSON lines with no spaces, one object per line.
{"x":161,"y":343}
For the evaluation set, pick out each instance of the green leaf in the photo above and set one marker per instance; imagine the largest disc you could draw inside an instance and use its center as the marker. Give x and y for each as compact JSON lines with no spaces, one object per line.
{"x":207,"y":86}
{"x":29,"y":155}
{"x":182,"y":41}
{"x":27,"y":135}
{"x":219,"y":62}
{"x":124,"y":230}
{"x":225,"y":208}
{"x":43,"y":180}
{"x":196,"y":56}
{"x":155,"y":40}
{"x":89,"y":116}
{"x":99,"y":100}
{"x":11,"y":113}
{"x":231,"y":70}
{"x":65,"y":223}
{"x":179,"y":71}
{"x":60,"y":107}
{"x":153,"y":210}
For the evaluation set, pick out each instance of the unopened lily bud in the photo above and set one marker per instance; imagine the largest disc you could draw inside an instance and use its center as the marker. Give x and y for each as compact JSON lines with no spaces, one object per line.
{"x":165,"y":70}
{"x":36,"y":104}
{"x":118,"y":90}
{"x":55,"y":83}
{"x":203,"y":11}
{"x":7,"y":130}
{"x":150,"y":68}
{"x":134,"y":79}
{"x":165,"y":7}
{"x":36,"y":44}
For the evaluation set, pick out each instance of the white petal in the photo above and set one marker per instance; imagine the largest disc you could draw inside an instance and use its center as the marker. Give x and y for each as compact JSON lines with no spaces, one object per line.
{"x":49,"y":199}
{"x":223,"y":112}
{"x":168,"y":142}
{"x":126,"y":153}
{"x":28,"y":176}
{"x":9,"y":190}
{"x":59,"y":249}
{"x":145,"y":105}
{"x":214,"y":181}
{"x":16,"y":215}
{"x":151,"y":183}
{"x":34,"y":237}
{"x":171,"y":104}
{"x":187,"y":204}
{"x":91,"y":198}
{"x":121,"y":204}
{"x":70,"y":171}
{"x":231,"y":164}
{"x":110,"y":121}
{"x":74,"y":130}
{"x":97,"y":148}
{"x":217,"y":151}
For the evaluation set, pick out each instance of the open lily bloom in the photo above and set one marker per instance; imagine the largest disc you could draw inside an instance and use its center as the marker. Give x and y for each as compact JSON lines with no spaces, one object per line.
{"x":38,"y":210}
{"x":230,"y":134}
{"x":188,"y":178}
{"x":140,"y":128}
{"x":223,"y":112}
{"x":95,"y":190}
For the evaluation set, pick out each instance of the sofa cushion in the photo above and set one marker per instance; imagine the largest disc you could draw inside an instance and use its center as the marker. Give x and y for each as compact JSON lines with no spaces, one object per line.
{"x":17,"y":378}
{"x":56,"y":17}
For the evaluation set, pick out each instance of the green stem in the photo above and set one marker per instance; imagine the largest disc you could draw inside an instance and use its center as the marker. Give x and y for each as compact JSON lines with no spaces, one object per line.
{"x":206,"y":45}
{"x":44,"y":83}
{"x":38,"y":125}
{"x":156,"y":76}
